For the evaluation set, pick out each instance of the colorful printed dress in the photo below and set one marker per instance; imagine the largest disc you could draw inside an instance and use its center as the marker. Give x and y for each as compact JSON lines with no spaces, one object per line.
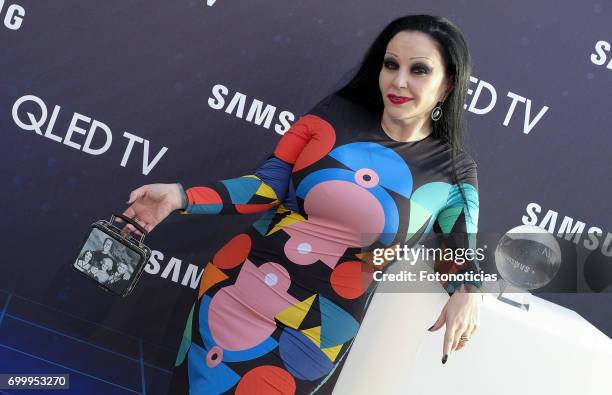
{"x":279,"y":304}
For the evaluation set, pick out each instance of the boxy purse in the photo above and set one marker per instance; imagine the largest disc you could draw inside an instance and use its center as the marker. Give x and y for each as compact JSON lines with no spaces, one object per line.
{"x":113,"y":259}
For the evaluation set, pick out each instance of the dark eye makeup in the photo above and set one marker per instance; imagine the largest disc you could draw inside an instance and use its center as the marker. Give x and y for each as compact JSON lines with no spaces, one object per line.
{"x":419,"y":68}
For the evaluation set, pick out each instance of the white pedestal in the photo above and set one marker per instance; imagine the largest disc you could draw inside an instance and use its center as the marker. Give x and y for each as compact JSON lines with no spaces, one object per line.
{"x":546,"y":350}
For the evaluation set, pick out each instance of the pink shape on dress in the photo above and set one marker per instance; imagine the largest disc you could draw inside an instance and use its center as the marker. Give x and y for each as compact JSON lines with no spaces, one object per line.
{"x":366,"y":177}
{"x":241,"y":315}
{"x":217,"y":352}
{"x":341,"y":214}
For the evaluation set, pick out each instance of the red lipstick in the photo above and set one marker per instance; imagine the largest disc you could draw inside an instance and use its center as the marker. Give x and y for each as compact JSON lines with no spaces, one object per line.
{"x":399,"y":99}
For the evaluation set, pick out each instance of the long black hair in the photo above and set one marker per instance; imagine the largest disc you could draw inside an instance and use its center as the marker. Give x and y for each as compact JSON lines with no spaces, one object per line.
{"x":363,"y":88}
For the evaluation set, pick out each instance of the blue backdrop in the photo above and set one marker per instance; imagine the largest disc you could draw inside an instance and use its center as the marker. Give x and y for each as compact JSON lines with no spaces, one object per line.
{"x":102,"y":97}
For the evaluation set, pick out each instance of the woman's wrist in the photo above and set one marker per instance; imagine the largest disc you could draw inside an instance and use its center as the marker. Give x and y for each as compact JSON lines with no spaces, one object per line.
{"x":472,"y":289}
{"x":183,"y":201}
{"x":468,"y":287}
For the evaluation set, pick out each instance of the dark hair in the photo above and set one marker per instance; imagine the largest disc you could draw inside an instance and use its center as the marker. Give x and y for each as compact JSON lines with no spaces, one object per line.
{"x":363,"y":88}
{"x":85,"y":253}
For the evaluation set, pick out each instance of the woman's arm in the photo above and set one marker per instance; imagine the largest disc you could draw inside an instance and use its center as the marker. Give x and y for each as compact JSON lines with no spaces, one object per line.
{"x":456,"y":226}
{"x":268,"y":186}
{"x":307,"y":140}
{"x":247,"y":194}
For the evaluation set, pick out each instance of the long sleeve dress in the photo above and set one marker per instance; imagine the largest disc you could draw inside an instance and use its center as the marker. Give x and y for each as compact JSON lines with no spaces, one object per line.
{"x":280,"y":304}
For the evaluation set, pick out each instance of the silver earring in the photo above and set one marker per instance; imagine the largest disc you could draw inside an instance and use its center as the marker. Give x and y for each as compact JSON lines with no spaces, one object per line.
{"x":437,"y":112}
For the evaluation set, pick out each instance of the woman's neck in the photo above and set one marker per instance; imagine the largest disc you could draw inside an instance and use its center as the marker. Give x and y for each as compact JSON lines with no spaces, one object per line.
{"x":414,"y":129}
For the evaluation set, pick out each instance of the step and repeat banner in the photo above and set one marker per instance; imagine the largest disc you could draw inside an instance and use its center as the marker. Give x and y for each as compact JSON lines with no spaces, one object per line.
{"x":99,"y":98}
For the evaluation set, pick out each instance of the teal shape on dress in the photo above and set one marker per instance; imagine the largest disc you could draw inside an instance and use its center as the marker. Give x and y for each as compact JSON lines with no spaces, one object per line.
{"x":209,"y":208}
{"x":471,"y":195}
{"x":241,"y":189}
{"x":186,"y":341}
{"x":263,"y":223}
{"x":448,"y":217}
{"x":431,"y":198}
{"x":337,"y":325}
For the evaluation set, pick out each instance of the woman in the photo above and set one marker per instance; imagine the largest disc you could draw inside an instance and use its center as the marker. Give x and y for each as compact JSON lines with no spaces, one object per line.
{"x":377,"y":163}
{"x":84,"y":263}
{"x":105,"y":253}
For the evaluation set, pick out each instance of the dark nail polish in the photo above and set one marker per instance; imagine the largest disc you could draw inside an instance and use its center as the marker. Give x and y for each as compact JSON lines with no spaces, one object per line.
{"x":431,"y":327}
{"x":444,"y":358}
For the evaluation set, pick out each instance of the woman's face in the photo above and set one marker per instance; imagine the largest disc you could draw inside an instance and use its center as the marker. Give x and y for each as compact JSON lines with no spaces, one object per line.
{"x":87,"y":256}
{"x":412,"y":68}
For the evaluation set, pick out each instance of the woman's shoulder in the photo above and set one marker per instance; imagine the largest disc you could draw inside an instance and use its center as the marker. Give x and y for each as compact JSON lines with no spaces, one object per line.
{"x":465,"y":158}
{"x":324,"y":105}
{"x":339,"y":110}
{"x":467,"y":168}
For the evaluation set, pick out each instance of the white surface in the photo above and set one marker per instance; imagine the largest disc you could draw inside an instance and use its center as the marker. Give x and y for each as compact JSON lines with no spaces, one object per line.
{"x":546,"y":350}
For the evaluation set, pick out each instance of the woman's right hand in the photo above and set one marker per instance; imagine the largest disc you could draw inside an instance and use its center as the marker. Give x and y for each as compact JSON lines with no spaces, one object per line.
{"x":150,"y":204}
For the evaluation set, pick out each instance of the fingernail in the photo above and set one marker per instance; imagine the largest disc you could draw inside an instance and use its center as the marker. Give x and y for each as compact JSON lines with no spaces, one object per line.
{"x":444,"y":358}
{"x":431,"y":327}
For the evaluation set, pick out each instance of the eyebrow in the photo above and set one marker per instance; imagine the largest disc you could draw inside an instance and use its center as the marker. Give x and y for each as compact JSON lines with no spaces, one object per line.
{"x":414,"y":57}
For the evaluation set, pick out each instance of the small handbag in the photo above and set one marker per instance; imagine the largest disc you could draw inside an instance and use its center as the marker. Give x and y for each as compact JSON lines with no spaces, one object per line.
{"x":113,"y":259}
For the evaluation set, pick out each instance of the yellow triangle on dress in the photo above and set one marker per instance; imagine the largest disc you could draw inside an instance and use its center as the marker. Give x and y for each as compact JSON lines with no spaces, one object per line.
{"x":266,"y":191}
{"x":313,"y":334}
{"x":293,"y":316}
{"x":287,"y":221}
{"x":332,"y":352}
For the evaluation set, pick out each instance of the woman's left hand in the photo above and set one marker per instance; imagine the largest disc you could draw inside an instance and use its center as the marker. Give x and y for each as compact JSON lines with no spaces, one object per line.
{"x":462,"y":317}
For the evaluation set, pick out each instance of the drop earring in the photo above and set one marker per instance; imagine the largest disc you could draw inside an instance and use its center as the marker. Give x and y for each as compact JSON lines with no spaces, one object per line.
{"x":437,"y":112}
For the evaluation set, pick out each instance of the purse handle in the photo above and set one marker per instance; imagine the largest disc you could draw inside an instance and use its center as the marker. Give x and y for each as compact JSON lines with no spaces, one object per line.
{"x":131,"y":222}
